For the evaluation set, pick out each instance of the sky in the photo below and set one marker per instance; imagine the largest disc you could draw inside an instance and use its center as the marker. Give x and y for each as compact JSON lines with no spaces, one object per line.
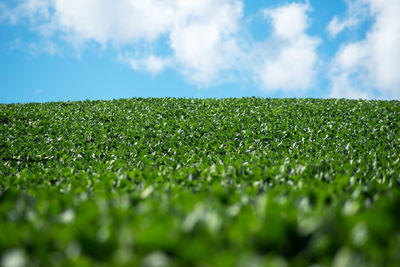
{"x":67,"y":50}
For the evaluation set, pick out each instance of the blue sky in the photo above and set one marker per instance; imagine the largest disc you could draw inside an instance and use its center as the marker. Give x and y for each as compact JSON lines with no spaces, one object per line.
{"x":60,"y":50}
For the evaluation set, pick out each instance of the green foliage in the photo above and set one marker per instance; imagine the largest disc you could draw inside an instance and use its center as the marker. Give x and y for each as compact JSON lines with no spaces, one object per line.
{"x":192,"y":182}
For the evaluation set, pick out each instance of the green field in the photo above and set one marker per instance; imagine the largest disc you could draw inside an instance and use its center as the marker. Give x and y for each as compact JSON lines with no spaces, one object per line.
{"x":192,"y":182}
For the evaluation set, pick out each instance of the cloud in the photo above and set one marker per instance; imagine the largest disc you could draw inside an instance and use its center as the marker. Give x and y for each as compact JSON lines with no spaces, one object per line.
{"x":201,"y":35}
{"x":204,"y":40}
{"x":369,"y":68}
{"x":290,"y":55}
{"x":356,"y":12}
{"x":208,"y":43}
{"x":336,"y":26}
{"x":118,"y":22}
{"x":151,"y":63}
{"x":33,"y":48}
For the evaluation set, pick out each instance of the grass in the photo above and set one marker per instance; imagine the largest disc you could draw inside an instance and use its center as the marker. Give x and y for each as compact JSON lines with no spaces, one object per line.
{"x":191,"y":182}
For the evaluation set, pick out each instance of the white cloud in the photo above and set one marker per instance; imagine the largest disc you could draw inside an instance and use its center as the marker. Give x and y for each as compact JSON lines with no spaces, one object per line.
{"x":369,"y":68}
{"x":357,"y":11}
{"x":336,"y":26}
{"x":290,"y":56}
{"x":204,"y":40}
{"x":119,"y":22}
{"x":46,"y":46}
{"x":202,"y":35}
{"x":151,"y":63}
{"x":33,"y":48}
{"x":208,"y":43}
{"x":289,"y":21}
{"x":28,"y":8}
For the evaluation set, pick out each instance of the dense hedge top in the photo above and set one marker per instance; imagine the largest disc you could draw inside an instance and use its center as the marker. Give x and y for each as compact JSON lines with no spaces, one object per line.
{"x":191,"y":182}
